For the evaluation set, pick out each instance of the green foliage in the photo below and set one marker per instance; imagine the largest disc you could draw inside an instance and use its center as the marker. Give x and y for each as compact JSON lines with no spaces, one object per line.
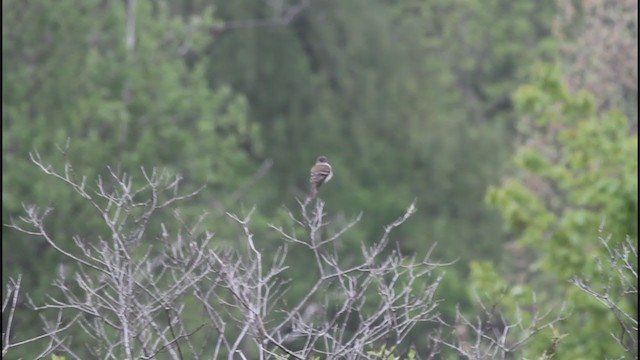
{"x":575,"y":169}
{"x":121,"y":108}
{"x":390,"y":353}
{"x":467,"y":33}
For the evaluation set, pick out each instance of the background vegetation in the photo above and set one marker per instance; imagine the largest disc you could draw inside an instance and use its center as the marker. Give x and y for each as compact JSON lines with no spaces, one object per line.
{"x":512,"y":124}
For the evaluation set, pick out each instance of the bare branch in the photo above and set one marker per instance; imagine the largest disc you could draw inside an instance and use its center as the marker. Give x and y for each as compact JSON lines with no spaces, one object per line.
{"x":133,"y":296}
{"x":618,"y":283}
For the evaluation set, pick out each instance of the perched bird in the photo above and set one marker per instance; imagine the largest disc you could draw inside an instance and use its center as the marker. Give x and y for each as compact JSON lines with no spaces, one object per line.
{"x":320,"y":174}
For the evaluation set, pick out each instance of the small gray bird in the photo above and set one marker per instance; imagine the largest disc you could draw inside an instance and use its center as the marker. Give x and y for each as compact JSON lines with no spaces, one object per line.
{"x":320,"y":174}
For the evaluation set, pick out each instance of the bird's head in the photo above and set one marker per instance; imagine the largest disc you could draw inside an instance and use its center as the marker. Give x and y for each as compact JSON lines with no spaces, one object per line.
{"x":322,"y":159}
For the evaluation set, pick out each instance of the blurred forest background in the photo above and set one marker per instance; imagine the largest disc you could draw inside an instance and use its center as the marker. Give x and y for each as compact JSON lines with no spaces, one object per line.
{"x":512,"y":123}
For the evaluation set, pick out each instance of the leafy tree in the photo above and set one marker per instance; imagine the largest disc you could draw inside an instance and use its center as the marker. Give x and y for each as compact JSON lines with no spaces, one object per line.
{"x":575,"y":169}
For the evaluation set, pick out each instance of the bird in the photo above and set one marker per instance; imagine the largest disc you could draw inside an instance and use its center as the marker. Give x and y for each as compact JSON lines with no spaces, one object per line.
{"x":320,"y":173}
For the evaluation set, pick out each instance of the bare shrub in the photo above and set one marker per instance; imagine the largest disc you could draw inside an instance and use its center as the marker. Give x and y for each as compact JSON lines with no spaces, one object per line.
{"x":162,"y":289}
{"x":494,"y":335}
